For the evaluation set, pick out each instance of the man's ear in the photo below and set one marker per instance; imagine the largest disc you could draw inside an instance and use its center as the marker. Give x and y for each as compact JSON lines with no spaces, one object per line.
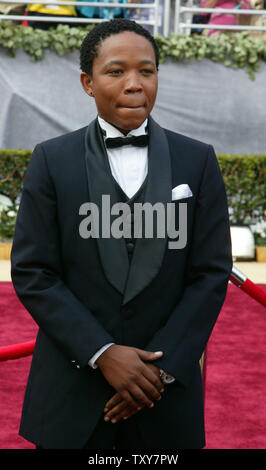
{"x":87,"y":83}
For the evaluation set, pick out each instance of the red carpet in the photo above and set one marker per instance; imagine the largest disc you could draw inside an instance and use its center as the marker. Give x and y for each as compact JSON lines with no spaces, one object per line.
{"x":235,"y":411}
{"x":16,"y":326}
{"x":235,"y":406}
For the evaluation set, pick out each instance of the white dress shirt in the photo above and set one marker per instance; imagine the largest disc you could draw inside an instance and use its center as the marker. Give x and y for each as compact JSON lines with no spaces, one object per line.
{"x":129,"y":166}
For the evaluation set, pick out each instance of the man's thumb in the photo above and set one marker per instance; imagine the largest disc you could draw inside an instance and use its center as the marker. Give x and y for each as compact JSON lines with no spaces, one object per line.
{"x":148,"y":355}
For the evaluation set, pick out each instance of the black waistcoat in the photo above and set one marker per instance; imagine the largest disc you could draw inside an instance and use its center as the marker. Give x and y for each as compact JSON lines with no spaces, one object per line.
{"x":138,"y":197}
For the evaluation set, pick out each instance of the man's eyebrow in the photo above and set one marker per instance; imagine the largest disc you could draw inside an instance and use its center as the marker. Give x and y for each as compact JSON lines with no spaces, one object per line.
{"x":148,"y":62}
{"x":115,"y":62}
{"x":121,"y":62}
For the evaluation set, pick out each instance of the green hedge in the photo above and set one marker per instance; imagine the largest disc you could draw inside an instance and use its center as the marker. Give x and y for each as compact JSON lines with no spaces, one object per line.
{"x":13,"y":164}
{"x":244,"y":177}
{"x":237,"y":50}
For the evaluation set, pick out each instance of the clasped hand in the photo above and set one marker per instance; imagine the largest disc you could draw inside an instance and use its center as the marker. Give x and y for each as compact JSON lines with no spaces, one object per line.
{"x":137,"y":382}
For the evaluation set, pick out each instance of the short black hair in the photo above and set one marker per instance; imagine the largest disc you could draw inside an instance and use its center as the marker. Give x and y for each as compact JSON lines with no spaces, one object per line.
{"x":91,"y":43}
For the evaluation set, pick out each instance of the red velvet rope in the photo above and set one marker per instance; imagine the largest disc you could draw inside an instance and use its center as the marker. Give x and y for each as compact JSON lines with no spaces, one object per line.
{"x":254,"y":291}
{"x":15,"y":351}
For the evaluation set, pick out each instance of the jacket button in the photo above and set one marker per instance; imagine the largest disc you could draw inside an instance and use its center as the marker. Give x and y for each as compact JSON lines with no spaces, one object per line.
{"x":74,"y":363}
{"x":130,"y":247}
{"x":128,"y":312}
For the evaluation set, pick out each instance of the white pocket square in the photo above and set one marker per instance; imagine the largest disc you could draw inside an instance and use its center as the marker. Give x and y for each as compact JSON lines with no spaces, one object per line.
{"x":181,"y":191}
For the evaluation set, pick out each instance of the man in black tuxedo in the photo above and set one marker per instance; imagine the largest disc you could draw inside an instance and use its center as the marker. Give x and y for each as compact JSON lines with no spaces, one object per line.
{"x":123,"y":320}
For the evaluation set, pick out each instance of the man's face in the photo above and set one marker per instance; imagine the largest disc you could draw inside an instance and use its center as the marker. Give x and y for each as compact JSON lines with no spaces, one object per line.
{"x":124,"y":80}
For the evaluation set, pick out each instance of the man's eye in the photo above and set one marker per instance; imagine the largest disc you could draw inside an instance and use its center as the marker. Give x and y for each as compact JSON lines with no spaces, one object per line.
{"x":115,"y":72}
{"x":147,"y":71}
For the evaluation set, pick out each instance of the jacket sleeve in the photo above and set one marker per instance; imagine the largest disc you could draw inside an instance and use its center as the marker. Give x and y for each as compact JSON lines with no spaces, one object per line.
{"x":184,"y":336}
{"x":36,"y":269}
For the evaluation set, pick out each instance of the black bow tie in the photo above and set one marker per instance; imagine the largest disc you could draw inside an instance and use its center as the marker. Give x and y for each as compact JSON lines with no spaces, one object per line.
{"x":138,"y":141}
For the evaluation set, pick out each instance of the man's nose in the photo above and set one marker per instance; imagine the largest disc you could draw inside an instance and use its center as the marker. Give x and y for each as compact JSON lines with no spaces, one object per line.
{"x":133,"y":83}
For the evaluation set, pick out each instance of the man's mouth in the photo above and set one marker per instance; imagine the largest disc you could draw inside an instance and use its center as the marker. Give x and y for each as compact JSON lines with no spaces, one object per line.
{"x":137,"y":106}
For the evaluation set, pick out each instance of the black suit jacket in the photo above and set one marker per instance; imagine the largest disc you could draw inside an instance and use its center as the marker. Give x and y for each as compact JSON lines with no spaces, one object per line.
{"x":83,"y":293}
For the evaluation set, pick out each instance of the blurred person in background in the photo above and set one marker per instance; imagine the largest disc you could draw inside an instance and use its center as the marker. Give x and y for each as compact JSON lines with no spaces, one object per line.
{"x":147,"y":14}
{"x":12,"y":9}
{"x":222,"y":18}
{"x":135,"y":13}
{"x":255,"y":20}
{"x":37,"y":9}
{"x":199,"y":19}
{"x":102,"y":12}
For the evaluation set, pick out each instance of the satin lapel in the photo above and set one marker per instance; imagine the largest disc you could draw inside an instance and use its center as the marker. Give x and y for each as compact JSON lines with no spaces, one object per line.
{"x":113,"y":252}
{"x":149,"y":252}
